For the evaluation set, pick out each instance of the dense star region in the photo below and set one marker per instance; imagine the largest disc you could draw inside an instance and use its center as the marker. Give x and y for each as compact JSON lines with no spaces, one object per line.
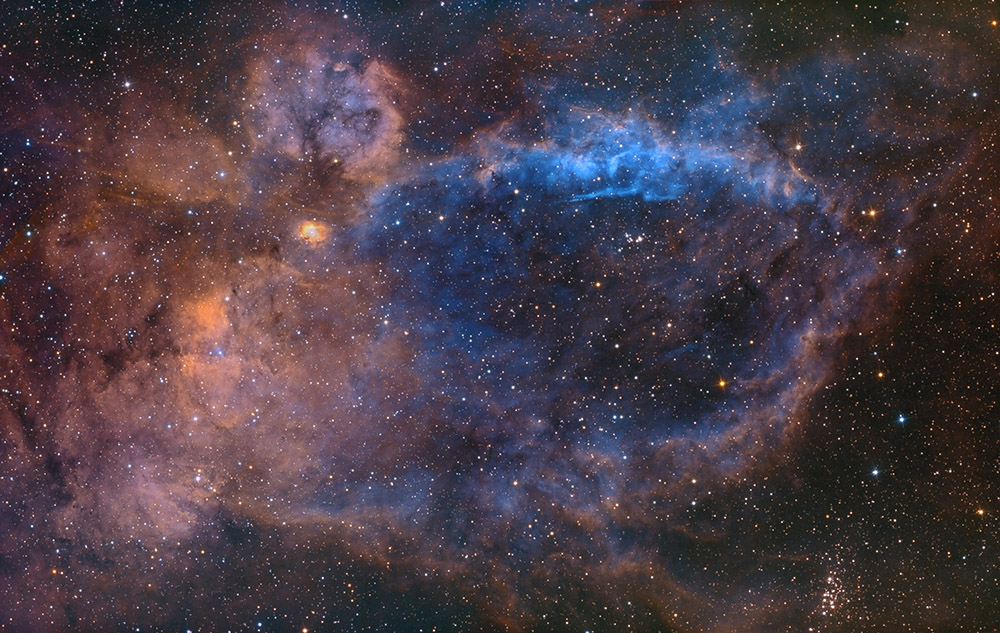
{"x":591,"y":315}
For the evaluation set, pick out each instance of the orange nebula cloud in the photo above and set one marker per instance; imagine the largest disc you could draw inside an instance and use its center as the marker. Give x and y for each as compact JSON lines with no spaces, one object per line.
{"x":313,"y":233}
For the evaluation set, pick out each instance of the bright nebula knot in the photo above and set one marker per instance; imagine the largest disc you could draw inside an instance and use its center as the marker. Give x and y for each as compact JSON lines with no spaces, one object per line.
{"x":313,"y":233}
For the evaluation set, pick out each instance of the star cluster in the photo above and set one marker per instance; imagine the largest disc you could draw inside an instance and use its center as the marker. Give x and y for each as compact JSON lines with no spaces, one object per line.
{"x":592,"y":315}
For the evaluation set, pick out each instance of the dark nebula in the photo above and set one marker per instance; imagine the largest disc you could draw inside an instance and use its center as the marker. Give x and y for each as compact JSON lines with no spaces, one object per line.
{"x":665,"y":316}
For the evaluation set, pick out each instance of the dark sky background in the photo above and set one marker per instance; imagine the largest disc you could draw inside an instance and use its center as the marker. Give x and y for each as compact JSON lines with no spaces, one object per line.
{"x":671,"y":316}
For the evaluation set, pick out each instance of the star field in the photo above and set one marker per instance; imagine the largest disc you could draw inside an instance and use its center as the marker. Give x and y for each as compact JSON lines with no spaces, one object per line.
{"x":592,"y":315}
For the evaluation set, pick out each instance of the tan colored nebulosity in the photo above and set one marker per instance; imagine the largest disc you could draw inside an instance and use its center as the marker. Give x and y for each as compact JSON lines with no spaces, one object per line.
{"x":310,"y":104}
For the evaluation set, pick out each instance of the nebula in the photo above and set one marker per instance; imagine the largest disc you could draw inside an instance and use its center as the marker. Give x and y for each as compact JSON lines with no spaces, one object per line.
{"x":575,"y":316}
